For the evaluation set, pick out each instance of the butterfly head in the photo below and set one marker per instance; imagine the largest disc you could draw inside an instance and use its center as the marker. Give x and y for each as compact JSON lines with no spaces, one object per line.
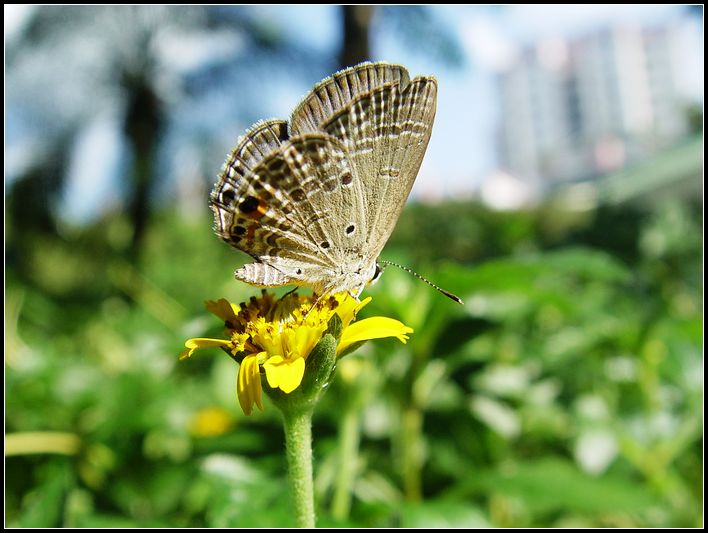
{"x":378,"y":270}
{"x":353,"y":280}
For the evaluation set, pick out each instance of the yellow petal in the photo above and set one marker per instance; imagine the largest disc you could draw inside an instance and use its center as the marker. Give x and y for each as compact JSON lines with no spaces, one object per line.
{"x":272,"y":370}
{"x":248,"y":384}
{"x":363,"y":304}
{"x":193,"y":345}
{"x":373,"y":328}
{"x":266,"y":336}
{"x":284,"y":374}
{"x":222,"y":308}
{"x":348,"y":308}
{"x":305,"y":339}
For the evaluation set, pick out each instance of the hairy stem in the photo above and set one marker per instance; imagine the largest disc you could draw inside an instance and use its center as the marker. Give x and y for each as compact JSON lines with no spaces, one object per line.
{"x":298,"y":445}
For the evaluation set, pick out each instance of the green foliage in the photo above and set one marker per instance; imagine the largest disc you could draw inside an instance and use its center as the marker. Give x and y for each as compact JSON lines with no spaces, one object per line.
{"x":567,"y":391}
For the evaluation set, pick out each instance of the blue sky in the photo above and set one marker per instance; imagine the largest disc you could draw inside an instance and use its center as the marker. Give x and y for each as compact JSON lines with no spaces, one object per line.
{"x":467,"y":107}
{"x":462,"y":151}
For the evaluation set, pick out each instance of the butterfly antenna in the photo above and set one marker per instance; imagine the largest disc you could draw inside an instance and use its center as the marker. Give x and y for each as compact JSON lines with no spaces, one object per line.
{"x":421,"y":278}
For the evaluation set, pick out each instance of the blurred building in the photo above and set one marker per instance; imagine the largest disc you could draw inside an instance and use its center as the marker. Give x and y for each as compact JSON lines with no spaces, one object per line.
{"x":576,"y":109}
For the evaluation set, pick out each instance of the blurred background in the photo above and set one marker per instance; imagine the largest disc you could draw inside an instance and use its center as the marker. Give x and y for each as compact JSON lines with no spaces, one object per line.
{"x":560,"y":197}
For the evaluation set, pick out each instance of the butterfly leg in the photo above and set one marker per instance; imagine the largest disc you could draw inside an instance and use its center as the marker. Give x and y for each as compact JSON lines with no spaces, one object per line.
{"x":320,"y":298}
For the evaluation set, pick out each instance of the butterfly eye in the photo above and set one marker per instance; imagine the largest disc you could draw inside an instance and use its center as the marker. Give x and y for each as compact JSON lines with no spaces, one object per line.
{"x":377,"y":274}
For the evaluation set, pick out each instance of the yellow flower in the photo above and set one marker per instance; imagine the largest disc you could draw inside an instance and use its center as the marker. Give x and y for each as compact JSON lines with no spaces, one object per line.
{"x":275,"y":337}
{"x":211,"y":422}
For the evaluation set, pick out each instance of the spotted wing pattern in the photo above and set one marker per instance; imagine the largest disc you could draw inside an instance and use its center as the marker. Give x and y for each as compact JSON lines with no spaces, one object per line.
{"x":386,"y":132}
{"x":314,"y":201}
{"x":285,"y":213}
{"x":336,"y":93}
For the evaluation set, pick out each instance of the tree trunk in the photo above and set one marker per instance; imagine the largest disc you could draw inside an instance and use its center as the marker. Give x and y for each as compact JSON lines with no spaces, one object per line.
{"x":143,"y":123}
{"x":355,"y":45}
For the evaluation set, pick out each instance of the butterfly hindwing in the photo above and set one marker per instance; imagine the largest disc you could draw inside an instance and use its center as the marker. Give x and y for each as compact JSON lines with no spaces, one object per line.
{"x":233,"y":185}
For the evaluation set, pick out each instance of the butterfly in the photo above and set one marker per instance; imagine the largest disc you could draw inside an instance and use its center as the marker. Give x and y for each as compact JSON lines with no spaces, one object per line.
{"x":314,"y":200}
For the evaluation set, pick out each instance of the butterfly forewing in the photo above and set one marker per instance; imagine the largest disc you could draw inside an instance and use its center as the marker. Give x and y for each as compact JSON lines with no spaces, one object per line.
{"x":386,"y":132}
{"x":339,"y":90}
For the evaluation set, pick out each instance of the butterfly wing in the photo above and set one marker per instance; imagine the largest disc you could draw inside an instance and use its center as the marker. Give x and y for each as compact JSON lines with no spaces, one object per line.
{"x":386,"y":132}
{"x":385,"y":122}
{"x":284,"y":209}
{"x":314,"y":202}
{"x":338,"y":91}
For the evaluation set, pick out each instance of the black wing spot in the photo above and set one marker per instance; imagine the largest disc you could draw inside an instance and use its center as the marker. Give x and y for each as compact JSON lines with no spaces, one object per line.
{"x":228,"y":196}
{"x":249,"y":205}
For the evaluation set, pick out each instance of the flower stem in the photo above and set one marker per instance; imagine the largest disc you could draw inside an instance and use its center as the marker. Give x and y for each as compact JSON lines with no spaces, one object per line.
{"x":298,"y":446}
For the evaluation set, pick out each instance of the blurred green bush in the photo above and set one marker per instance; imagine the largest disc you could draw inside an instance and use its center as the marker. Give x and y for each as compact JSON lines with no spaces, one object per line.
{"x":566,"y":392}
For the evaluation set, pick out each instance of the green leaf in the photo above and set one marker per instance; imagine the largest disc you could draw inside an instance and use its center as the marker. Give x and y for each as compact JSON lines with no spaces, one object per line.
{"x":556,"y":485}
{"x":443,"y":514}
{"x":44,"y":505}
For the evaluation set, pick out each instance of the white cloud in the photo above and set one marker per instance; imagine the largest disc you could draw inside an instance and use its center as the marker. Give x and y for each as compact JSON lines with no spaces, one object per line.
{"x":485,"y":43}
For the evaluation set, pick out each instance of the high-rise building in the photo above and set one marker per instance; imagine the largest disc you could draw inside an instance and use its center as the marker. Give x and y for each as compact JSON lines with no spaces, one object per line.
{"x":577,"y":109}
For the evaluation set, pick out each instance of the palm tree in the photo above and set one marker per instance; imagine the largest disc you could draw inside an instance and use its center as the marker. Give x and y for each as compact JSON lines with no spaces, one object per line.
{"x":71,"y":64}
{"x":417,"y":26}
